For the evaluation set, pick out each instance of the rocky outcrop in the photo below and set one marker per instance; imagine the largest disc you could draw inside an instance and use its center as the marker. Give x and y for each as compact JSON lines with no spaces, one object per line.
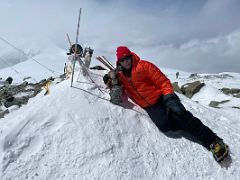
{"x":216,"y":103}
{"x":195,"y":75}
{"x":210,"y":76}
{"x":234,"y":92}
{"x":3,"y":112}
{"x":190,"y":89}
{"x":18,"y":95}
{"x":176,"y":87}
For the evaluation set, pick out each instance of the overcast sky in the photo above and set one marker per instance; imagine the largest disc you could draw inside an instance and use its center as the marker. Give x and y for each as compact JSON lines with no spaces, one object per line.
{"x":190,"y":35}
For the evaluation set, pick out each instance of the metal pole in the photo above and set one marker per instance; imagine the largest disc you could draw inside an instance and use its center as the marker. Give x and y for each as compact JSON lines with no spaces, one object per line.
{"x":75,"y":53}
{"x":69,"y":41}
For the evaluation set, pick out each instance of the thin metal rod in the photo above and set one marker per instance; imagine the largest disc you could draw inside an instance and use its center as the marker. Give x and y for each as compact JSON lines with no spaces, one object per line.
{"x":75,"y":52}
{"x":69,"y":41}
{"x":104,"y":62}
{"x":108,"y":61}
{"x":7,"y":42}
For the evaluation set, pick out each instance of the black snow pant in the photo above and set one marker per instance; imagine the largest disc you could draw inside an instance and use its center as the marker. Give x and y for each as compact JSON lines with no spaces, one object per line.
{"x":187,"y":123}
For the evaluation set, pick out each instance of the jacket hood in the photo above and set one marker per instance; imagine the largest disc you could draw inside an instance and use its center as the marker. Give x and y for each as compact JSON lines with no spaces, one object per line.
{"x":123,"y":51}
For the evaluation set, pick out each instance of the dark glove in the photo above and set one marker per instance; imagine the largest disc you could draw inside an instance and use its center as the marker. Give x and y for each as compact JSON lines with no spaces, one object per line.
{"x":173,"y":105}
{"x":106,"y":77}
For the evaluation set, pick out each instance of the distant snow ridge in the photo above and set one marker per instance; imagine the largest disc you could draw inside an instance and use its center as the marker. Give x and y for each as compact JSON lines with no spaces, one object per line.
{"x":12,"y":58}
{"x":73,"y":134}
{"x":38,"y":59}
{"x":10,"y":54}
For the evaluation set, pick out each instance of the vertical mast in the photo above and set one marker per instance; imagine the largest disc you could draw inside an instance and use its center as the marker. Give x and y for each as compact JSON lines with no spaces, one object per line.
{"x":75,"y":52}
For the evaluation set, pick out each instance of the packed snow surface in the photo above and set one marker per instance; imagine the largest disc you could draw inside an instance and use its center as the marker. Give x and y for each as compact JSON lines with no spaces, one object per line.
{"x":76,"y":133}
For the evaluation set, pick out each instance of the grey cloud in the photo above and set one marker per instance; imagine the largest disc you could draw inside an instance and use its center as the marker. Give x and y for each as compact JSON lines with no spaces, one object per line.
{"x":145,"y":26}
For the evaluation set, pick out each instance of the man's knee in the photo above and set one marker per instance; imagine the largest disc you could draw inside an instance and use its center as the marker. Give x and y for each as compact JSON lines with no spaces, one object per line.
{"x":188,"y":122}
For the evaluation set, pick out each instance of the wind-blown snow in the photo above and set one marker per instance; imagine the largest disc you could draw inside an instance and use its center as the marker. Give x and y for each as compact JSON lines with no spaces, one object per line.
{"x":74,"y":134}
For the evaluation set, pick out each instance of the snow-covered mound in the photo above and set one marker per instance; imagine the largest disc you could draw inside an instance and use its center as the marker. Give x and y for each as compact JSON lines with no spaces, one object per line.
{"x":76,"y":133}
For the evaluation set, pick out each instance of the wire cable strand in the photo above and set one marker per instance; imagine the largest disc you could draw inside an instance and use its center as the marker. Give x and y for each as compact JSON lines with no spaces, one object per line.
{"x":17,"y":72}
{"x":49,"y":69}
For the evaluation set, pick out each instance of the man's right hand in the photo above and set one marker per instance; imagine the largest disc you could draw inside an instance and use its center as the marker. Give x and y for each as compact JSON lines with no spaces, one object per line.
{"x":174,"y":105}
{"x":113,"y":74}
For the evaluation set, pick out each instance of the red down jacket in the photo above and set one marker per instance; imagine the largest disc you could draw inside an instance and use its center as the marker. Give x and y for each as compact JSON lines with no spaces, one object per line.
{"x":146,"y":84}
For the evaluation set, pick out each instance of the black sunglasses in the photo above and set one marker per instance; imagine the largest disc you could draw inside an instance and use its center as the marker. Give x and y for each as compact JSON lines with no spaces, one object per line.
{"x":125,"y":59}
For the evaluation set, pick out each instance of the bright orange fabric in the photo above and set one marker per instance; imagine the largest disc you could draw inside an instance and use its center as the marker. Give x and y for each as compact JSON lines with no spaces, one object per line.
{"x":146,"y":84}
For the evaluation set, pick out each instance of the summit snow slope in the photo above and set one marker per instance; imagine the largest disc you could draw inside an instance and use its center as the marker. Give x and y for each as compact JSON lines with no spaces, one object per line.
{"x":76,"y":134}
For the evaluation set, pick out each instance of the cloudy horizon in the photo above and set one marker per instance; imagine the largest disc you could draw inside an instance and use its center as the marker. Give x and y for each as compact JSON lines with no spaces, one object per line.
{"x":196,"y":36}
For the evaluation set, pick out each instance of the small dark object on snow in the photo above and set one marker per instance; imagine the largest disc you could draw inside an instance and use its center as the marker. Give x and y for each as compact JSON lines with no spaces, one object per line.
{"x":98,"y":68}
{"x":9,"y":80}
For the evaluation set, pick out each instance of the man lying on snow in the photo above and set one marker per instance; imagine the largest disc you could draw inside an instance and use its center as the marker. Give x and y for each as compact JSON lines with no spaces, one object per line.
{"x":147,"y":86}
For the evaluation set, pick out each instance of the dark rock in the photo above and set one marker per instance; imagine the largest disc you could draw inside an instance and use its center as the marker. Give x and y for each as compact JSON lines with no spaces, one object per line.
{"x":50,"y":79}
{"x":2,"y":113}
{"x":226,"y":90}
{"x":10,"y":99}
{"x":9,"y":80}
{"x":234,"y":92}
{"x":62,"y":76}
{"x":236,"y":107}
{"x":190,"y":89}
{"x":19,"y":95}
{"x":26,"y":78}
{"x":19,"y":101}
{"x":5,"y":94}
{"x":195,"y":75}
{"x":216,"y":103}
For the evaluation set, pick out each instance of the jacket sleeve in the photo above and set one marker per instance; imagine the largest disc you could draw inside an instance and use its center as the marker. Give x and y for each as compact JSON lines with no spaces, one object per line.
{"x":155,"y":75}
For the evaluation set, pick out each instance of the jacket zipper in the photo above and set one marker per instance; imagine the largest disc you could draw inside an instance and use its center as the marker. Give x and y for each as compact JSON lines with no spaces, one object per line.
{"x":130,"y":81}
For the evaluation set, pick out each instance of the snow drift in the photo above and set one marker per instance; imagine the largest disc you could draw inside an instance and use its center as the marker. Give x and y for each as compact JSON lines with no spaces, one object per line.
{"x":74,"y":134}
